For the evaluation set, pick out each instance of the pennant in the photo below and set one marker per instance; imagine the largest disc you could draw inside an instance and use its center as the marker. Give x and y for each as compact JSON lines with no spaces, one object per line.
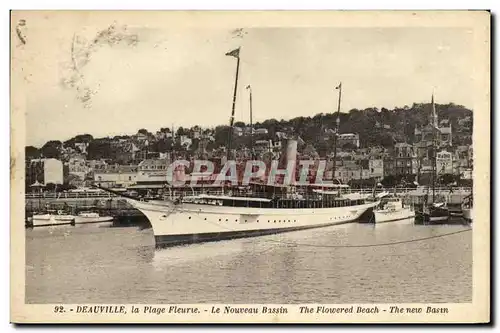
{"x":339,"y":86}
{"x":234,"y":53}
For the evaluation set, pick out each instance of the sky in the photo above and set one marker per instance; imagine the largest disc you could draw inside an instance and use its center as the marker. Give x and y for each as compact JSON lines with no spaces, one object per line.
{"x":155,"y":77}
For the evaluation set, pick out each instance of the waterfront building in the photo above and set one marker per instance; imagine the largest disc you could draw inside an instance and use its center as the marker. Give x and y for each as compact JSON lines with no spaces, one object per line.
{"x":44,"y":171}
{"x":346,"y":173}
{"x":262,"y":146}
{"x":405,"y":159}
{"x":389,"y":166}
{"x":152,"y":171}
{"x":78,"y":167}
{"x":376,"y":168}
{"x":116,"y":176}
{"x":444,"y":162}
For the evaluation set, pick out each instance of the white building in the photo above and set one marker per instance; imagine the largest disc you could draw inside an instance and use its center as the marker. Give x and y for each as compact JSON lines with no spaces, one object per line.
{"x":119,"y":176}
{"x":153,"y":170}
{"x":261,"y":131}
{"x":82,"y":147}
{"x":376,"y":168}
{"x":78,"y":167}
{"x":186,"y":141}
{"x":444,"y":162}
{"x":52,"y":170}
{"x":350,"y":138}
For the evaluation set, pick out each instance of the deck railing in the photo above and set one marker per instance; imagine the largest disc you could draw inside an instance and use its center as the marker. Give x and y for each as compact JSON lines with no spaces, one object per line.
{"x":189,"y":192}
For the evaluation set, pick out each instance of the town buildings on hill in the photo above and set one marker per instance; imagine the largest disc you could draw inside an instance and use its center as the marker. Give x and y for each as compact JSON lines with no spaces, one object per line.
{"x":142,"y":159}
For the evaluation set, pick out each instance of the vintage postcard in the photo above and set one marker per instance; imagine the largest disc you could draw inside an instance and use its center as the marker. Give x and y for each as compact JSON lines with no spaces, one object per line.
{"x":250,"y":167}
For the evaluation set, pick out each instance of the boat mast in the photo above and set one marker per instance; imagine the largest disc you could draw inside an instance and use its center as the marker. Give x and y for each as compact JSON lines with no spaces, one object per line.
{"x":339,"y":88}
{"x":434,"y":148}
{"x":249,"y":88}
{"x":235,"y":53}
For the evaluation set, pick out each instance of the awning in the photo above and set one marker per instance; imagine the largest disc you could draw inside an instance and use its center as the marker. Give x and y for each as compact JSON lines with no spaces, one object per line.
{"x":145,"y":187}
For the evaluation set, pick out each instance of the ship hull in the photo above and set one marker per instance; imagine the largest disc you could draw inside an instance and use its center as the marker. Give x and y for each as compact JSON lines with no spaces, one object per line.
{"x":51,"y":220}
{"x":193,"y":223}
{"x":101,"y":221}
{"x":467,"y":214}
{"x":393,"y":216}
{"x":434,"y":216}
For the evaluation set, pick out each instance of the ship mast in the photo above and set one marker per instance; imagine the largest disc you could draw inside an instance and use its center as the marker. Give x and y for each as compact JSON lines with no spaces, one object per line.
{"x":434,"y":148}
{"x":234,"y":53}
{"x":249,"y":88}
{"x":339,"y":88}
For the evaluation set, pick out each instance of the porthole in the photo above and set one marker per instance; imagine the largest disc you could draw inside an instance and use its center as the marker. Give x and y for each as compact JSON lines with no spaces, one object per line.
{"x":226,"y":220}
{"x":205,"y":218}
{"x":245,"y":220}
{"x":220,"y":220}
{"x":189,"y":217}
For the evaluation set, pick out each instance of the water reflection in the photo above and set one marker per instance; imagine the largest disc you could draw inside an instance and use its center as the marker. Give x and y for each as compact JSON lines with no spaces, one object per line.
{"x":121,"y":265}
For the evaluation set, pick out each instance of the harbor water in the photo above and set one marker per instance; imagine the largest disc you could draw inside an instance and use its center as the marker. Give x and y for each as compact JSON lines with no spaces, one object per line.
{"x":327,"y":265}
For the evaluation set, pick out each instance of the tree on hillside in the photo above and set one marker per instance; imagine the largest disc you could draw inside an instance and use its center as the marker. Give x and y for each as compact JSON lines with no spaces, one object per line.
{"x":87,"y":138}
{"x":181,"y":131}
{"x":31,"y":152}
{"x":163,"y":145}
{"x":100,"y":149}
{"x":52,"y":149}
{"x":221,"y":135}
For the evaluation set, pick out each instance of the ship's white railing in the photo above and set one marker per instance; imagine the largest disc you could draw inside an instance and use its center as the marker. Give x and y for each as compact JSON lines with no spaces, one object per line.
{"x":178,"y":192}
{"x":68,"y":195}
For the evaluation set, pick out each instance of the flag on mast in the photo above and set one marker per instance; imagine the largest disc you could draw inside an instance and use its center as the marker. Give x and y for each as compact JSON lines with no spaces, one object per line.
{"x":234,"y":53}
{"x":339,"y":86}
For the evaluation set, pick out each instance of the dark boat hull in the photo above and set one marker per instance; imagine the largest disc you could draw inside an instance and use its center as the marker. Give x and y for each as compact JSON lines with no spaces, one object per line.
{"x":433,"y":215}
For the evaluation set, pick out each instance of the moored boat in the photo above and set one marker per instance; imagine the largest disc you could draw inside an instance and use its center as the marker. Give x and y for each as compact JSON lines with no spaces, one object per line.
{"x":265,"y":209}
{"x":87,"y":217}
{"x":391,"y":209}
{"x":437,"y":213}
{"x":467,"y":208}
{"x":52,"y":218}
{"x":436,"y":210}
{"x":215,"y":217}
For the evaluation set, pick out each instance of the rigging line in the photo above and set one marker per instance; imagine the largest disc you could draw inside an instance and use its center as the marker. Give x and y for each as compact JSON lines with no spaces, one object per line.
{"x":379,"y":244}
{"x":351,"y":246}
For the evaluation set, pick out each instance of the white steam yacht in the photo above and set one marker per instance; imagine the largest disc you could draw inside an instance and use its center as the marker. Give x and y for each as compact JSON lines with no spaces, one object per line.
{"x":268,"y":209}
{"x":214,"y":217}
